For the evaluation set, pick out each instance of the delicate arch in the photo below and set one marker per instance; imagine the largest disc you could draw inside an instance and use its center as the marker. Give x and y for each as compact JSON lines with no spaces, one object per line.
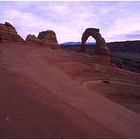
{"x":87,"y":33}
{"x":101,"y":48}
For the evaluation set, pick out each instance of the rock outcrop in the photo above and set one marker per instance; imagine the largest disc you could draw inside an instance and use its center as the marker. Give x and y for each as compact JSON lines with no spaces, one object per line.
{"x":101,"y":50}
{"x":32,"y":39}
{"x":9,"y":33}
{"x":49,"y":38}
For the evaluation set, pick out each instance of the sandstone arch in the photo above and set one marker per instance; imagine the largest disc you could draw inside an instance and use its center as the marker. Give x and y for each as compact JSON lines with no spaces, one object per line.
{"x":101,"y":49}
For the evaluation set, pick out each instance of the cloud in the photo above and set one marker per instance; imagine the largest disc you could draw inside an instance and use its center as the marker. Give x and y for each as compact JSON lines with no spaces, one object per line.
{"x":116,"y":20}
{"x":131,"y":36}
{"x":124,"y":26}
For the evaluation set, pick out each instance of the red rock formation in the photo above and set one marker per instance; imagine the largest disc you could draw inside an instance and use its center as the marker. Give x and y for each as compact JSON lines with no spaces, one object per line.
{"x":101,"y":50}
{"x":32,"y":39}
{"x":9,"y":33}
{"x":49,"y":37}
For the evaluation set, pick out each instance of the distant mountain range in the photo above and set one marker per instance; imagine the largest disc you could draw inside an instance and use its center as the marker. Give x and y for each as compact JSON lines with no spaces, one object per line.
{"x":69,"y":45}
{"x":77,"y":43}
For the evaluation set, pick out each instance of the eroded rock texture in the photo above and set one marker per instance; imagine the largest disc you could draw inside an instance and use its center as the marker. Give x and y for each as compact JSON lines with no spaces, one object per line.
{"x":101,"y":50}
{"x":9,"y":33}
{"x":32,"y":39}
{"x":49,"y":37}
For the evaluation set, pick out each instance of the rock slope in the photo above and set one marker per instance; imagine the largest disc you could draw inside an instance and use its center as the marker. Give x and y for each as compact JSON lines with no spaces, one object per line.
{"x":43,"y":96}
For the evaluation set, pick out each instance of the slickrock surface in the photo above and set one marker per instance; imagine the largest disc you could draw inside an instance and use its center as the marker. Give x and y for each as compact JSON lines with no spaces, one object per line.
{"x":46,"y":93}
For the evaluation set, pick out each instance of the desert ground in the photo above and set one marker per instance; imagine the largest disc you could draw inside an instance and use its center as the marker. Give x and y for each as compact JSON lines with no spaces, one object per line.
{"x":48,"y":93}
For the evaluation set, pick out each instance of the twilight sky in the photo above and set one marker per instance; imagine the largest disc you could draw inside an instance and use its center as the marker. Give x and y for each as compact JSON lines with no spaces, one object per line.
{"x":117,"y":20}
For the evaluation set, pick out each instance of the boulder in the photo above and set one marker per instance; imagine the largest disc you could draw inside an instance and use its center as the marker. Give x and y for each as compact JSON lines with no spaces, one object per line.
{"x":101,"y":50}
{"x":9,"y":33}
{"x":49,"y":38}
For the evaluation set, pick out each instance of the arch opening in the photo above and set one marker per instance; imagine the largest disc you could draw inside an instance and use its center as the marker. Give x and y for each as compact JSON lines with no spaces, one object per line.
{"x":89,"y":33}
{"x":101,"y":49}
